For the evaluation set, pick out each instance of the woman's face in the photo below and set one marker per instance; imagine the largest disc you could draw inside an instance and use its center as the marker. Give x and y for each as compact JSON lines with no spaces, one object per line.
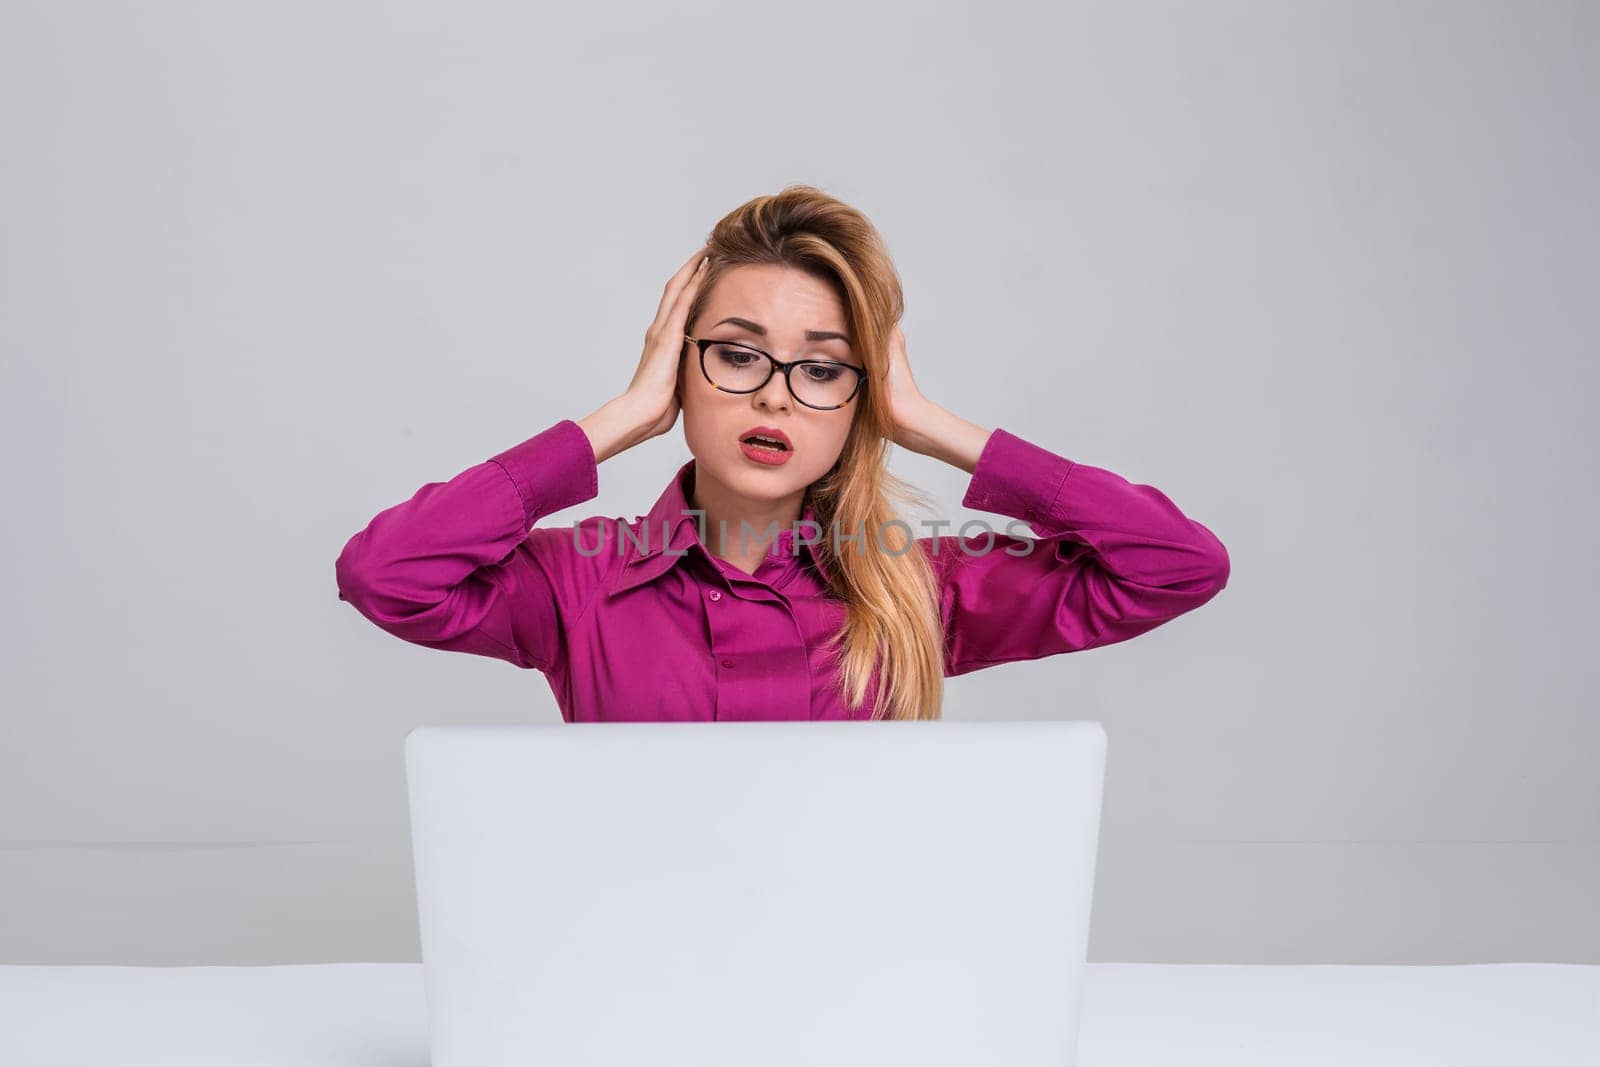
{"x":772,"y":308}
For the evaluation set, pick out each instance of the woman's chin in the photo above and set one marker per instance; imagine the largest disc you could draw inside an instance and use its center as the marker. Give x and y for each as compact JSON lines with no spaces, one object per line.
{"x":760,"y":481}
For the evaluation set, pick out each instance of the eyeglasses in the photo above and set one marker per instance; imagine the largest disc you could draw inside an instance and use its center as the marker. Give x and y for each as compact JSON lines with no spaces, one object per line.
{"x":732,"y":367}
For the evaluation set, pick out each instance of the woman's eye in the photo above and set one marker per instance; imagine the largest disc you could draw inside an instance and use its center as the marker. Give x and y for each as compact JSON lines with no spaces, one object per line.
{"x":823,"y":374}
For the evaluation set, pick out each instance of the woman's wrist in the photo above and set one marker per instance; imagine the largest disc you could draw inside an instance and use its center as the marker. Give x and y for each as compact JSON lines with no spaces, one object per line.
{"x":936,"y":431}
{"x":614,"y":427}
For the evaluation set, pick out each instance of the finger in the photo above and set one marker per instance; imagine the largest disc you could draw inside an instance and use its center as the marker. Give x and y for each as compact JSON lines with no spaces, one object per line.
{"x":680,"y":309}
{"x":674,"y":285}
{"x":669,"y":290}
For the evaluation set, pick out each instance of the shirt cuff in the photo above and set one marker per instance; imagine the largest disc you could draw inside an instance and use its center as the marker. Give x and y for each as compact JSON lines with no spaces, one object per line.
{"x":554,"y":469}
{"x":1018,"y":478}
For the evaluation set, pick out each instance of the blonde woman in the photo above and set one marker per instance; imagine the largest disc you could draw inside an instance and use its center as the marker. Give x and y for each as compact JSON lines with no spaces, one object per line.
{"x":773,"y":578}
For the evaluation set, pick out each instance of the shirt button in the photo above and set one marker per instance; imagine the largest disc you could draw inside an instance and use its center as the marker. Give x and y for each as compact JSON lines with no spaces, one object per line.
{"x":715,"y":595}
{"x":727,"y":663}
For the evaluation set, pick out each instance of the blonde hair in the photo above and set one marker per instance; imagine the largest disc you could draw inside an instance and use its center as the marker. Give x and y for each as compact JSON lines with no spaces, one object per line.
{"x":891,"y":620}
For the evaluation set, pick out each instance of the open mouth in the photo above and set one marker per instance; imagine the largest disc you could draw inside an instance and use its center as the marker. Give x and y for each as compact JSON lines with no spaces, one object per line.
{"x":771,"y":444}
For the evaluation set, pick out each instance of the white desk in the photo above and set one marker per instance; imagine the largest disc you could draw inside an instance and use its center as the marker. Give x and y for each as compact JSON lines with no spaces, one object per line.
{"x":1135,"y":1015}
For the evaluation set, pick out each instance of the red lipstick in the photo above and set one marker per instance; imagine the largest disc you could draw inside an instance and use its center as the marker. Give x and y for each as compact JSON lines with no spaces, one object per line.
{"x":766,"y":444}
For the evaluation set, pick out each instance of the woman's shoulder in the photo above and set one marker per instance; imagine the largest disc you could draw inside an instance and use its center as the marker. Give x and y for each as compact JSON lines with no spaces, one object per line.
{"x":576,"y":558}
{"x":583,"y":535}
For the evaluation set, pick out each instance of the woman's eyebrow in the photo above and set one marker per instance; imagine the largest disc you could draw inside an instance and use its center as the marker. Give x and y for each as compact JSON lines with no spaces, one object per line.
{"x":761,"y":331}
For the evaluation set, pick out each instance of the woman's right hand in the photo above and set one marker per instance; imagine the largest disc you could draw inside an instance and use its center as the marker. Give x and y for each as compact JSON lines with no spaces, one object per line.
{"x":653,"y":393}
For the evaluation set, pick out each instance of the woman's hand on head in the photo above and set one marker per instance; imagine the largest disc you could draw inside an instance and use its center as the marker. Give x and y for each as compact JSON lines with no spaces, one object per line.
{"x":907,"y":405}
{"x":653,"y":392}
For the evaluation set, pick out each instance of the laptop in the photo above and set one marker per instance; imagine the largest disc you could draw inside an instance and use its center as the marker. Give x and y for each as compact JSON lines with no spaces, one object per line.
{"x":755,"y":894}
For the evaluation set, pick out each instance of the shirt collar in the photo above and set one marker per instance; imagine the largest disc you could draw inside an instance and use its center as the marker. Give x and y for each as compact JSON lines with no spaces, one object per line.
{"x":645,"y":555}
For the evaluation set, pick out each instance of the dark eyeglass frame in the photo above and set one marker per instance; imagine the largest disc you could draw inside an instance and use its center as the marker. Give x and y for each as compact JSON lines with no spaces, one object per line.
{"x":775,"y":364}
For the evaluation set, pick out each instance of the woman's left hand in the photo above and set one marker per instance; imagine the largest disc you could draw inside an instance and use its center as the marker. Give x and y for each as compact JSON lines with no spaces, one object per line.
{"x":922,"y":426}
{"x":907,"y":406}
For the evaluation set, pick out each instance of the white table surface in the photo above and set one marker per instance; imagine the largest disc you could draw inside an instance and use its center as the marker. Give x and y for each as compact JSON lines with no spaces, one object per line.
{"x":1135,"y":1015}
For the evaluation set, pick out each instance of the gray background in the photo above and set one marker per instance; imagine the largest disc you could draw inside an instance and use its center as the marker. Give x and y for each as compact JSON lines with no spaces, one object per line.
{"x":1323,"y":273}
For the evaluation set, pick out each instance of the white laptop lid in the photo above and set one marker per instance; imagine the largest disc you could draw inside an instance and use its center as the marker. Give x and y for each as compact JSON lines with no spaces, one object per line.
{"x":755,"y":894}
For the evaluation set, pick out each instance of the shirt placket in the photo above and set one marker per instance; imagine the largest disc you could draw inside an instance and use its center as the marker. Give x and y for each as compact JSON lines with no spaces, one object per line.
{"x":758,"y":656}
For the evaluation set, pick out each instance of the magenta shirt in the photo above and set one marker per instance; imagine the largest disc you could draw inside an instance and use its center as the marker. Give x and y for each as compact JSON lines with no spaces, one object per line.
{"x":628,"y":626}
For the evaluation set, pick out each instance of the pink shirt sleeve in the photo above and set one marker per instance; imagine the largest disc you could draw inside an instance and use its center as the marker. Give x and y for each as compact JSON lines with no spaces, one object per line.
{"x":1112,"y":560}
{"x":456,"y":566}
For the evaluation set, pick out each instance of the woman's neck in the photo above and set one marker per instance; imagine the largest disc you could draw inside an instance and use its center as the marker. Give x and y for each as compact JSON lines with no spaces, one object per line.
{"x":725,"y":510}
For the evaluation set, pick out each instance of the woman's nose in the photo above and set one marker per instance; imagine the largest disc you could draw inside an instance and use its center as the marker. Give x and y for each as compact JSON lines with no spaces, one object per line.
{"x":775,"y":394}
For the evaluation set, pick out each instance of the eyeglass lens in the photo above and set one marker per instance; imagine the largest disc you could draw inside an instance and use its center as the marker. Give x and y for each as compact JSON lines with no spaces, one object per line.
{"x":742,"y":370}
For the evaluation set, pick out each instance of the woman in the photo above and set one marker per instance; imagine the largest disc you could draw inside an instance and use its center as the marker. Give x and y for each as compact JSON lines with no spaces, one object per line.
{"x":773,"y":580}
